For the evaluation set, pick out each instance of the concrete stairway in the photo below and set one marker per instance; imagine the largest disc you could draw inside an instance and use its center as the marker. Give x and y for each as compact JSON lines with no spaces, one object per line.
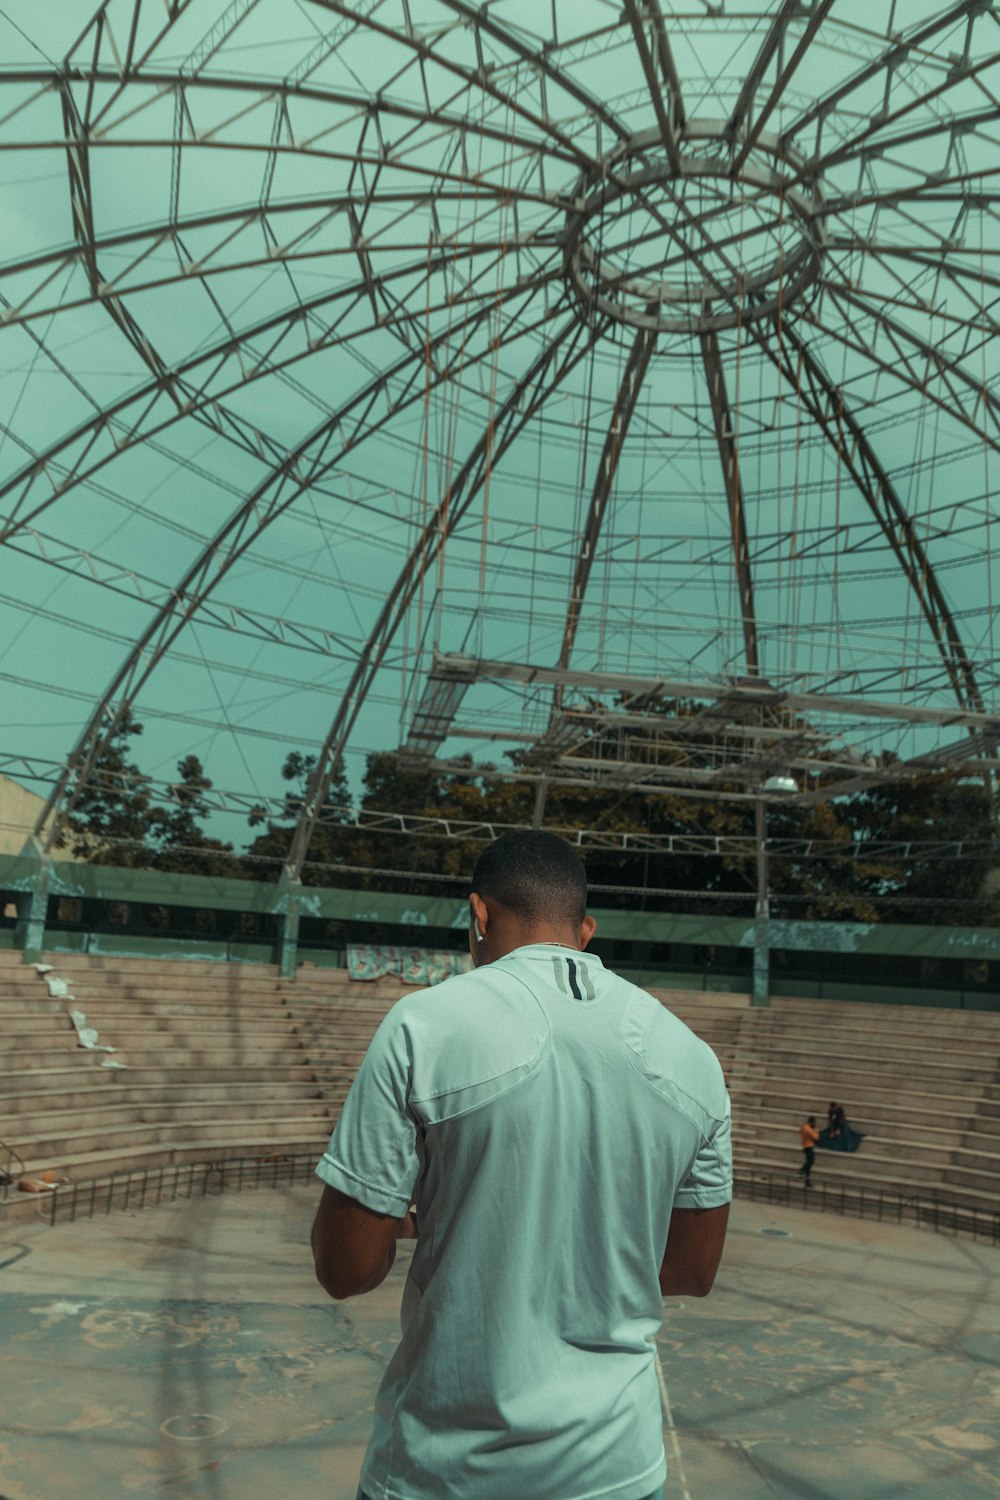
{"x":231,"y":1060}
{"x":336,"y":1017}
{"x":921,"y":1084}
{"x":214,"y":1068}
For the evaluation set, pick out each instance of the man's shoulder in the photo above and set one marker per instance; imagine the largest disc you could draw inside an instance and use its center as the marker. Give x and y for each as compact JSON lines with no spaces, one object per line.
{"x":669,"y":1050}
{"x":463,"y":1002}
{"x":459,"y":1036}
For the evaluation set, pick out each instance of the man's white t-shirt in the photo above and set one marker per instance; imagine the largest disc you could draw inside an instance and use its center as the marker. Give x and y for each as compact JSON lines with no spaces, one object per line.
{"x":546,"y":1116}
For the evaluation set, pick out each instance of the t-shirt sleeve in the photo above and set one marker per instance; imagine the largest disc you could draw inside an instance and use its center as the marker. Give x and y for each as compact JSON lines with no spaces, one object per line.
{"x":372,"y":1156}
{"x":709,"y":1183}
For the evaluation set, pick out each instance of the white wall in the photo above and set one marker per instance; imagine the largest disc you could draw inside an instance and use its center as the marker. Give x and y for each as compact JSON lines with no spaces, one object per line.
{"x":18,"y":810}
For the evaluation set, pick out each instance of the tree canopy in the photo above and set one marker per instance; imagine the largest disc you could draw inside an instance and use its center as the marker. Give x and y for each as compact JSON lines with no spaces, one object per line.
{"x":118,"y":820}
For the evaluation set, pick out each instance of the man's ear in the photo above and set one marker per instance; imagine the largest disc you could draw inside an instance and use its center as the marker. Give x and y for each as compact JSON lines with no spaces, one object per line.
{"x":587,"y":929}
{"x":478,"y":912}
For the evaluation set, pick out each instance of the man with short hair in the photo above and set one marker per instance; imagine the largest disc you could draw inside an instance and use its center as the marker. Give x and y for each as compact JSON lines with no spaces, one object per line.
{"x":567,"y":1141}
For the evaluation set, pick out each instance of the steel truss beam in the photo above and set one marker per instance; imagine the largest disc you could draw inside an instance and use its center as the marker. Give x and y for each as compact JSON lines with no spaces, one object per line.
{"x":901,"y":45}
{"x":180,"y":83}
{"x":520,"y":407}
{"x":630,"y":780}
{"x":351,"y":206}
{"x":480,"y":78}
{"x":540,"y":60}
{"x":82,"y":205}
{"x":941,"y":261}
{"x":98,"y":33}
{"x":752,"y":696}
{"x":949,"y":371}
{"x":827,"y":406}
{"x":144,"y":413}
{"x":415,"y":825}
{"x":621,"y":418}
{"x":236,"y":619}
{"x":350,"y":426}
{"x":876,"y":488}
{"x":848,"y":336}
{"x":670,"y":112}
{"x":729,"y":455}
{"x":861,"y":142}
{"x":791,"y":10}
{"x":376,"y":161}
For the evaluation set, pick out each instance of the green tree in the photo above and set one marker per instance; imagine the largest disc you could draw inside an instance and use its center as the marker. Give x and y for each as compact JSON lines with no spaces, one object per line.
{"x":418,"y":857}
{"x":181,"y":842}
{"x":114,"y":821}
{"x":936,"y":806}
{"x":332,"y":843}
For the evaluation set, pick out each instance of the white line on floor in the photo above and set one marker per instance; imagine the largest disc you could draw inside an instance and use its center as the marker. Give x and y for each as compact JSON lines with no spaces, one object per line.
{"x":668,"y":1417}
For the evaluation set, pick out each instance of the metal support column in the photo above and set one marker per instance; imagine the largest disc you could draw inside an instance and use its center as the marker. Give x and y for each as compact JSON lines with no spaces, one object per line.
{"x":761,"y":991}
{"x":288,"y":913}
{"x":33,"y":904}
{"x":541,"y":792}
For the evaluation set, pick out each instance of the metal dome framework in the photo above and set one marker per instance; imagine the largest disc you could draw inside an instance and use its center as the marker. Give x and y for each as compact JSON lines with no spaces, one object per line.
{"x":644,"y":339}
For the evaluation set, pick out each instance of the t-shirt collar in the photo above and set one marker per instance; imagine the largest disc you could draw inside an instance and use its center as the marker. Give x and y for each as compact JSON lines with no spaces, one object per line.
{"x":547,"y":950}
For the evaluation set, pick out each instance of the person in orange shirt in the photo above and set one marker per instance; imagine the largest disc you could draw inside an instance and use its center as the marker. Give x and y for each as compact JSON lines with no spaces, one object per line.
{"x":808,"y":1135}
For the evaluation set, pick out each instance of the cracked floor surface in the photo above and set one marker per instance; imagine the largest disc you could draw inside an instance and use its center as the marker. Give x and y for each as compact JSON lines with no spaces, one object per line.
{"x":186,"y":1351}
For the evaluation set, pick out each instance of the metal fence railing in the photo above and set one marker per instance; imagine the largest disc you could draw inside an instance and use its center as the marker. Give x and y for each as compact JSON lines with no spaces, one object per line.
{"x":921,"y":1210}
{"x":11,"y":1168}
{"x":147,"y":1187}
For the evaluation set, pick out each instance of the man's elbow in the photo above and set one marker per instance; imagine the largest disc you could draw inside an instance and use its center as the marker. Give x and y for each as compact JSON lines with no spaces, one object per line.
{"x":332,"y":1281}
{"x":687,"y":1286}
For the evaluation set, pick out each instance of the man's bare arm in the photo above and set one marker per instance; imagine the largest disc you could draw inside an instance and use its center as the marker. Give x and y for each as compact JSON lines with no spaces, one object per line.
{"x":353,"y":1247}
{"x":694,"y":1250}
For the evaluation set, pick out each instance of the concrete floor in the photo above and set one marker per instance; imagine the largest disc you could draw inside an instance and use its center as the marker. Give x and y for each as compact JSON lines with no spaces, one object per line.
{"x":186,"y":1352}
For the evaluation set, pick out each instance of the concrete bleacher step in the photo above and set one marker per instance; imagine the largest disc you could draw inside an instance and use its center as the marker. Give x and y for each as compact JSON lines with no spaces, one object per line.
{"x":137,"y":1029}
{"x":898,"y":1019}
{"x":226,"y":1060}
{"x":108,"y":1092}
{"x":231,"y":1132}
{"x":949,"y":1111}
{"x":872,"y":1125}
{"x":808,"y":1050}
{"x":920,"y":1058}
{"x":890,"y":1179}
{"x":138,"y":1024}
{"x":50,"y":1124}
{"x":921,"y":1153}
{"x":853,"y":1080}
{"x":807,"y":1054}
{"x":114,"y":963}
{"x":86,"y":1166}
{"x":22,"y":1060}
{"x":51,"y":1079}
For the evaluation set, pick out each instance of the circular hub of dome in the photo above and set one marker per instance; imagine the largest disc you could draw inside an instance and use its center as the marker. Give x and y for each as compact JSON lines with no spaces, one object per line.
{"x":695,"y":246}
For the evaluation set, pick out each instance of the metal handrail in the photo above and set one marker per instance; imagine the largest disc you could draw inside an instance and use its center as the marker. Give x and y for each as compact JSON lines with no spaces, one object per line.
{"x":922,"y":1209}
{"x":8,"y":1157}
{"x":147,"y":1187}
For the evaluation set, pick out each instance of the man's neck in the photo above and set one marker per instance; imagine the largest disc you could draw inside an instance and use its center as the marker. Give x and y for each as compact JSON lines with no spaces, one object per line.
{"x":535,"y":938}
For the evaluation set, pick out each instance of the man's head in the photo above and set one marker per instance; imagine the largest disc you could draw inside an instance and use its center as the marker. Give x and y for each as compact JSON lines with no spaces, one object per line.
{"x":812,"y":1119}
{"x":528,"y":887}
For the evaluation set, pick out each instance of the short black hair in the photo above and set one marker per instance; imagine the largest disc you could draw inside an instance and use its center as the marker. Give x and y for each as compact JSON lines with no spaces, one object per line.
{"x":533,"y":874}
